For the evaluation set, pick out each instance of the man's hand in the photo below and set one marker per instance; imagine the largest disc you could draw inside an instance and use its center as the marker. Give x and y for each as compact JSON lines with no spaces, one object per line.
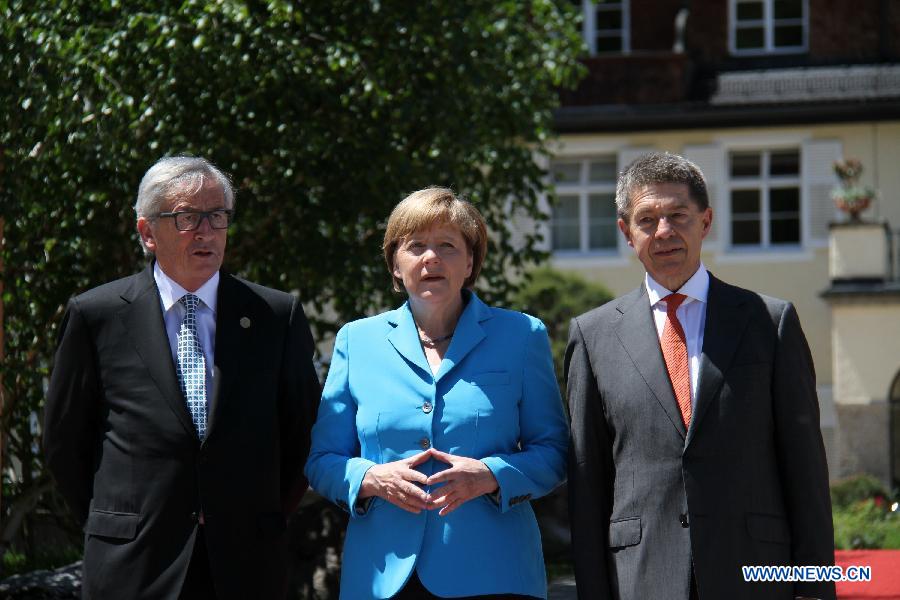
{"x":396,"y":482}
{"x":466,"y":478}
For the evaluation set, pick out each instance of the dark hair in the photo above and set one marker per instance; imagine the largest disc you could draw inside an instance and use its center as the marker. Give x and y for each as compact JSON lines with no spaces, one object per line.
{"x":659,"y":167}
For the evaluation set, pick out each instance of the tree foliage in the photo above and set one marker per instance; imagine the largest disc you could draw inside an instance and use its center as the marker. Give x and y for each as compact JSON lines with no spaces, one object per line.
{"x":556,"y":297}
{"x":326,"y":113}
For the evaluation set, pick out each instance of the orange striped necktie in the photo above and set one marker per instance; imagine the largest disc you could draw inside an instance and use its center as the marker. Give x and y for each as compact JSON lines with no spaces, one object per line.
{"x":674,"y":349}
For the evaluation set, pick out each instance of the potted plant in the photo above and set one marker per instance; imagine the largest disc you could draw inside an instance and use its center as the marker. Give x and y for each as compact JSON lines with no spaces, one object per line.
{"x":849,"y":196}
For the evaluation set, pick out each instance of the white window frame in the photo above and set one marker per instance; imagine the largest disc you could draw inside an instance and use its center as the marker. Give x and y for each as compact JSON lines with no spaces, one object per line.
{"x":765,"y":183}
{"x":589,"y":27}
{"x":583,"y":189}
{"x":768,"y":22}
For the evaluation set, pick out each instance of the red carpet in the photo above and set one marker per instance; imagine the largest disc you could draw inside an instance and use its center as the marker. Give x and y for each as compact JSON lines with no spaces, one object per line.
{"x":885,"y":584}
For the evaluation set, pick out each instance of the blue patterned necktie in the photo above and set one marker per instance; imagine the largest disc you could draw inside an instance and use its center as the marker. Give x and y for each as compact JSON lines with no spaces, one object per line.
{"x":192,"y":364}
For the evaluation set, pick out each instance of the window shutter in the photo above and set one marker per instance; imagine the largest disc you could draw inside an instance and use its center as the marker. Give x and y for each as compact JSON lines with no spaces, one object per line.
{"x":710,"y":158}
{"x":818,"y":180}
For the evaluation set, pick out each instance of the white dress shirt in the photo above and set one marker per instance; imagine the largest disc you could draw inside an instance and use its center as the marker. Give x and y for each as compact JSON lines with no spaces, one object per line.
{"x":691,"y":314}
{"x":173,"y":312}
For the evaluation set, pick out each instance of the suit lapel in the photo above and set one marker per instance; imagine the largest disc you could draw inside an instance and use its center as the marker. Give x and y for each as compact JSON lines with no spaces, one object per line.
{"x":143,"y":320}
{"x":725,"y":324}
{"x":231,"y":311}
{"x":467,"y":335}
{"x":404,"y":337}
{"x":637,"y":333}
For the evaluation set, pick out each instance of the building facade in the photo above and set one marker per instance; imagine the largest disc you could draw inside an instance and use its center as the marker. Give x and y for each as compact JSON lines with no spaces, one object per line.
{"x":764,"y":95}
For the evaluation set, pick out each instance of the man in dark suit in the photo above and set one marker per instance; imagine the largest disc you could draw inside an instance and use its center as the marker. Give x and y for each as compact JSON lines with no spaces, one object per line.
{"x":695,"y":422}
{"x":179,"y":409}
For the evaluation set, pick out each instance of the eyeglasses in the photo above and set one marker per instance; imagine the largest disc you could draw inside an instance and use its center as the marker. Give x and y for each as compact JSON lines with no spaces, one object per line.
{"x":189,"y":220}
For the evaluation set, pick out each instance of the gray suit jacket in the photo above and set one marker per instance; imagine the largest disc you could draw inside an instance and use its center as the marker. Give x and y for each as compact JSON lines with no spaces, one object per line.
{"x":747,"y":484}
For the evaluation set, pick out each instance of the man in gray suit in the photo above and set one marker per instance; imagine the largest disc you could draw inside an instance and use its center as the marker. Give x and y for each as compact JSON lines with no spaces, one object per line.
{"x":695,"y":423}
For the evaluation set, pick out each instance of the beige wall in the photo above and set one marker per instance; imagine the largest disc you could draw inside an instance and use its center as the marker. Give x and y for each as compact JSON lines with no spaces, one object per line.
{"x":866,"y":340}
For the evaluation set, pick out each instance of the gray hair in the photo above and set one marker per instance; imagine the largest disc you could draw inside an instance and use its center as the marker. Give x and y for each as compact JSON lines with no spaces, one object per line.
{"x":173,"y":173}
{"x":659,"y":167}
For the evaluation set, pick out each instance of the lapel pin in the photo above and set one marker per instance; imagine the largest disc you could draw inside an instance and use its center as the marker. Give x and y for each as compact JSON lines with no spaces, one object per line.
{"x":245,"y":322}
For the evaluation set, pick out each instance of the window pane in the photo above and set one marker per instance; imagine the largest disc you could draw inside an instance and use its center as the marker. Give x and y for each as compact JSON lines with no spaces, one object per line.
{"x":745,"y":233}
{"x":749,"y":38}
{"x":788,"y":35}
{"x":784,"y":162}
{"x":566,"y":172}
{"x":788,"y":9}
{"x":602,"y":226}
{"x":745,"y":164}
{"x":566,"y":209}
{"x":784,"y":202}
{"x":609,"y":19}
{"x":749,"y":11}
{"x":609,"y":44}
{"x":602,"y":206}
{"x":564,"y":227}
{"x":603,"y":235}
{"x":785,"y":231}
{"x":784,"y":209}
{"x":603,"y":170}
{"x":565,"y":236}
{"x":745,"y":202}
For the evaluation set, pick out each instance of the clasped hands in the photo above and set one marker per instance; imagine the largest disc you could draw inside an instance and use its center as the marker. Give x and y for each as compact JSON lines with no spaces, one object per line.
{"x":396,"y":481}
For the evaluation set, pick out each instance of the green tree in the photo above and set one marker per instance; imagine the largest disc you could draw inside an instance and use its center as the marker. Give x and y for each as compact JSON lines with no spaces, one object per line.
{"x":556,"y":297}
{"x":326,"y":113}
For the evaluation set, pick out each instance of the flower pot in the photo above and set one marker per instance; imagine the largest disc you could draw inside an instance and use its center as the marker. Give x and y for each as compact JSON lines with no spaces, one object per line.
{"x":852,"y":206}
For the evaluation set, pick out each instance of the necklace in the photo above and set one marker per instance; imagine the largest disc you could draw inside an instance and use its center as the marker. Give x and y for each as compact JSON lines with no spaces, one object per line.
{"x":433,"y":342}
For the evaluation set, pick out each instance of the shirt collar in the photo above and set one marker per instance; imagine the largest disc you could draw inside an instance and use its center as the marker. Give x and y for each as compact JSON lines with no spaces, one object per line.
{"x":695,"y":288}
{"x":170,"y":292}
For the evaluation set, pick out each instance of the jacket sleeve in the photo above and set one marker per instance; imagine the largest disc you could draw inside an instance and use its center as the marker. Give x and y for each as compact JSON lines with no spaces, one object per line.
{"x":299,"y":398}
{"x":590,"y":472}
{"x":801,"y":454}
{"x":335,"y":467}
{"x":539,"y":466}
{"x":70,"y":433}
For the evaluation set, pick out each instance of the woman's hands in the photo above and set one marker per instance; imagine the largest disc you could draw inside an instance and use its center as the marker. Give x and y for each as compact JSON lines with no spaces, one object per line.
{"x":466,"y":478}
{"x":396,"y":481}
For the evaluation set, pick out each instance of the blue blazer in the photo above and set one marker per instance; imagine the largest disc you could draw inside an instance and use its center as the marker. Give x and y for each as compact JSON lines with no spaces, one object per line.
{"x":494,"y":398}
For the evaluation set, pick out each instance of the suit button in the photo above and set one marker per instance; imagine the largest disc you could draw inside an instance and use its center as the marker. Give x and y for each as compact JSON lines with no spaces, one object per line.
{"x":425,"y":443}
{"x":684,"y":520}
{"x":426,"y":408}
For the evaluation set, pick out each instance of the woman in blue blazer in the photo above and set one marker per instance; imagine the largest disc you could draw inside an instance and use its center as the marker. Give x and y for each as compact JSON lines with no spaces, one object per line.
{"x":439,"y":421}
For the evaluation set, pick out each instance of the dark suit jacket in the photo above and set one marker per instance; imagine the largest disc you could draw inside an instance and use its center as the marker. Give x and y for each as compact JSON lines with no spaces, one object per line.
{"x":746,"y":485}
{"x":120,"y":442}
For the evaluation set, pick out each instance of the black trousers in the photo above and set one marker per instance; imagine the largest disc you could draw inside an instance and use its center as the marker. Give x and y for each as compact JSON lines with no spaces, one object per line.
{"x":414,"y":590}
{"x":198,"y":583}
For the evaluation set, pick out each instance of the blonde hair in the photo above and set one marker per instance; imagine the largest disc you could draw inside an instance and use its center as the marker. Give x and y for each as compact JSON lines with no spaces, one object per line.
{"x":435,"y":206}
